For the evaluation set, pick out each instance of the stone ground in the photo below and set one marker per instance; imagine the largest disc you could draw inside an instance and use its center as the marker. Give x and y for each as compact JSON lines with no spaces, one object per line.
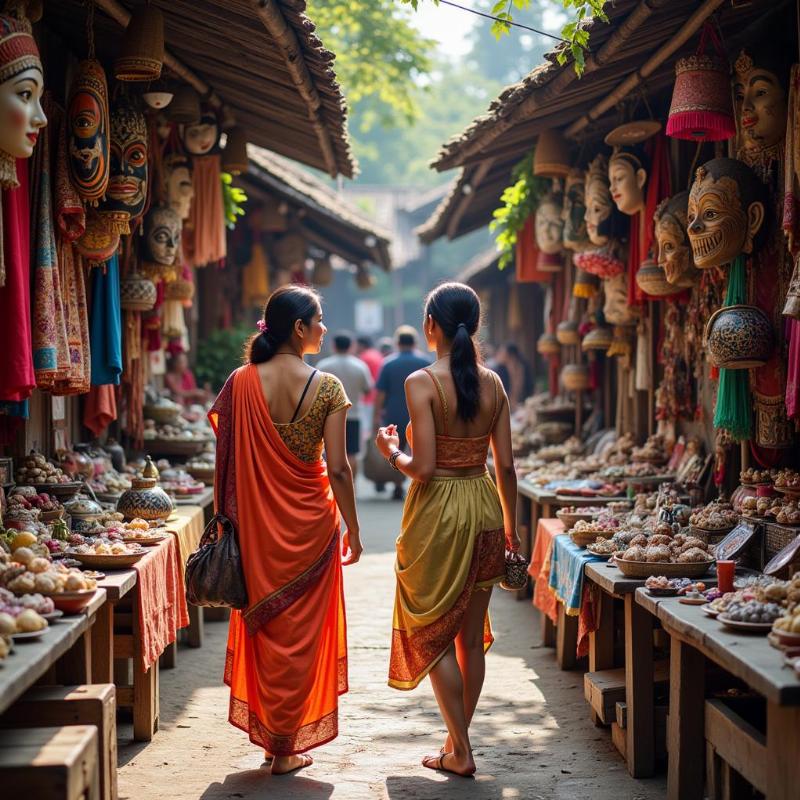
{"x":532,"y":735}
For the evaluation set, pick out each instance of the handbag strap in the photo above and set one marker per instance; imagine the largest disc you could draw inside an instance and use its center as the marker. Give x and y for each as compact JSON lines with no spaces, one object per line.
{"x":303,"y":396}
{"x":211,"y":534}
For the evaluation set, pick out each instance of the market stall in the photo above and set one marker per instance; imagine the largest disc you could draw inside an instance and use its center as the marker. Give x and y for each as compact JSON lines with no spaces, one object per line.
{"x":654,"y":209}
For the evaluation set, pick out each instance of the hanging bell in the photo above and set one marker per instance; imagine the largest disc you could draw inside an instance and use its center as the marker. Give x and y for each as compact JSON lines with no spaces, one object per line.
{"x":234,"y":156}
{"x":142,"y":51}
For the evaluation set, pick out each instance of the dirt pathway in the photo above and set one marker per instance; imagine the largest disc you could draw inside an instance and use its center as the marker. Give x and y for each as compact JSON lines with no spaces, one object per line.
{"x":532,"y":734}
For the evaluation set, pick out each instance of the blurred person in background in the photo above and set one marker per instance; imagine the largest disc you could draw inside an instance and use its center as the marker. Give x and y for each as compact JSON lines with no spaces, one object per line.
{"x":357,"y":382}
{"x":386,"y":346}
{"x":390,"y":401}
{"x":514,"y":373}
{"x":181,"y":382}
{"x":371,"y":356}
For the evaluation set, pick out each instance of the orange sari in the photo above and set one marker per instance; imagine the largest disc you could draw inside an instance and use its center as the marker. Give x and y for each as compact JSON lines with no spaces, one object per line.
{"x":286,"y":662}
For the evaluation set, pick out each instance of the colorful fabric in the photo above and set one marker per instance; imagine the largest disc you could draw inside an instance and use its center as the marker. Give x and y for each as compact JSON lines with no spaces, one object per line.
{"x":588,"y":619}
{"x":451,"y":543}
{"x":539,"y":569}
{"x":17,"y":377}
{"x":50,"y":346}
{"x":78,"y":377}
{"x":566,"y":572}
{"x":100,"y":408}
{"x":304,"y":436}
{"x":204,"y":232}
{"x":286,"y":661}
{"x":106,"y":324}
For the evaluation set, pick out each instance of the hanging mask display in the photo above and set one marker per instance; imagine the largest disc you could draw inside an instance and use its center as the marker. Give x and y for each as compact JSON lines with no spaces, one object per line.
{"x":574,"y":212}
{"x":549,"y":224}
{"x":21,"y":87}
{"x":760,"y":81}
{"x":627,"y":176}
{"x":162,"y":235}
{"x":178,"y":187}
{"x":615,"y":308}
{"x":127,"y":185}
{"x":725,"y":212}
{"x":602,"y":217}
{"x":88,"y":131}
{"x":674,"y":251}
{"x":202,"y":137}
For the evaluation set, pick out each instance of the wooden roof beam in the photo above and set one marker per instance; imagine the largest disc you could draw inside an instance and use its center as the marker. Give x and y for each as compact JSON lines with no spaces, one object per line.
{"x":690,"y":27}
{"x":540,"y":97}
{"x":285,"y":38}
{"x":463,"y":202}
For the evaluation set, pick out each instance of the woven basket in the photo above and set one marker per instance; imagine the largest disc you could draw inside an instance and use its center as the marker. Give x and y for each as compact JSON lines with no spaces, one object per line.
{"x":179,"y":289}
{"x":137,"y":293}
{"x":234,"y":156}
{"x":551,"y":156}
{"x":644,"y":569}
{"x":323,"y":272}
{"x":597,"y":339}
{"x":575,"y":377}
{"x":652,"y":281}
{"x":777,"y":536}
{"x":142,"y":51}
{"x":516,"y":572}
{"x":582,"y":539}
{"x":570,"y":518}
{"x":364,"y":278}
{"x":567,"y":332}
{"x":185,"y":105}
{"x":290,"y":251}
{"x":548,"y":345}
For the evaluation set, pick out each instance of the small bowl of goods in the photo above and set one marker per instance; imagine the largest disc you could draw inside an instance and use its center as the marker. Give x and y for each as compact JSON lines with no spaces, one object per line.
{"x":755,"y":477}
{"x":787,"y":481}
{"x":715,"y":517}
{"x":787,"y":628}
{"x":750,"y":616}
{"x":661,"y":554}
{"x":138,"y":531}
{"x":570,"y":515}
{"x":103,"y":553}
{"x":585,"y":532}
{"x":788,"y":513}
{"x":662,"y":586}
{"x":18,"y":621}
{"x":602,"y":547}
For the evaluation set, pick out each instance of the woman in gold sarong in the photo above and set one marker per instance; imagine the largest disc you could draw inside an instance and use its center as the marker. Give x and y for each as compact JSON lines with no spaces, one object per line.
{"x":456,"y":525}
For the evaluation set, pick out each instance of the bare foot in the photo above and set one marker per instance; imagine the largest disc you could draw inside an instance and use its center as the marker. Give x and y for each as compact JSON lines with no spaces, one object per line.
{"x":447,"y":762}
{"x":268,"y":757}
{"x":283,"y":765}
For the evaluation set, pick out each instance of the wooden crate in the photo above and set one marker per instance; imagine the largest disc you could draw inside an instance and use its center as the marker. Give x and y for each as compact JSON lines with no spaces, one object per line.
{"x":50,"y":763}
{"x":91,"y":704}
{"x":605,"y":688}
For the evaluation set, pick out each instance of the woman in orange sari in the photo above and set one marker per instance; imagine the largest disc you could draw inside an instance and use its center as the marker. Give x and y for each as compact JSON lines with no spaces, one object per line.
{"x":286,"y":661}
{"x":456,"y":521}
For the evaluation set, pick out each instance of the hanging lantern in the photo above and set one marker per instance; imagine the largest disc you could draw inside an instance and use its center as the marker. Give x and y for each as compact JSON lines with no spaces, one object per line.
{"x":551,"y":157}
{"x":364,"y":278}
{"x":575,"y":377}
{"x":567,"y":332}
{"x":142,"y":51}
{"x":599,"y":338}
{"x":323,"y":271}
{"x":185,"y":105}
{"x":234,"y":156}
{"x":701,"y":108}
{"x":547,"y":345}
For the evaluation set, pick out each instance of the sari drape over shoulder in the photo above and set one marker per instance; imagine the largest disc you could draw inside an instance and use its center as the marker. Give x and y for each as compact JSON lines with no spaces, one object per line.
{"x":286,"y":661}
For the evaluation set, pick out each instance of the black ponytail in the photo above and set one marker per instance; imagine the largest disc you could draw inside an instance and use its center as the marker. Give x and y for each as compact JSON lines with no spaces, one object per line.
{"x":284,"y":307}
{"x":457,"y":311}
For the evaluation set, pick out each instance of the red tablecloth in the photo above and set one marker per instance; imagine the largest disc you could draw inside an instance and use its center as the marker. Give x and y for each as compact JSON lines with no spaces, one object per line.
{"x":539,"y":569}
{"x":544,"y":598}
{"x":162,"y":600}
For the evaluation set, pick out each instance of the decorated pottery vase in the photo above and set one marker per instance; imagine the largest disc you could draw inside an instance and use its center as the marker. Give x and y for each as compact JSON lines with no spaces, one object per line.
{"x":739,"y":337}
{"x":145,"y":499}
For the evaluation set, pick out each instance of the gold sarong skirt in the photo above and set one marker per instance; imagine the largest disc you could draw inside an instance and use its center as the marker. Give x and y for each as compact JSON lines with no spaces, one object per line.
{"x":451,"y":543}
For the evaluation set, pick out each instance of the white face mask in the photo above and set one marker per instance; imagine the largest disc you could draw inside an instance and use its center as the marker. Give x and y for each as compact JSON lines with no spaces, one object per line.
{"x":21,"y":114}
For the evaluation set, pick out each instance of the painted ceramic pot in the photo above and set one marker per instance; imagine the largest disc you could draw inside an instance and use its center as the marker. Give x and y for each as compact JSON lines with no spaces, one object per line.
{"x":575,"y":377}
{"x":567,"y":332}
{"x":145,"y":499}
{"x":137,"y":293}
{"x":652,"y":281}
{"x":739,"y":337}
{"x":548,"y":345}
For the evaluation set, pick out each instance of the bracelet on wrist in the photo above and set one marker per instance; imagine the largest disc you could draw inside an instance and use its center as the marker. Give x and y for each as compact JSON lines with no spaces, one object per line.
{"x":395,"y":454}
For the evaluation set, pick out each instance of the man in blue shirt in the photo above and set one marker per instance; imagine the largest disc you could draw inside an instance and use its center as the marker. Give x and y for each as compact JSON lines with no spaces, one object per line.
{"x":390,"y":401}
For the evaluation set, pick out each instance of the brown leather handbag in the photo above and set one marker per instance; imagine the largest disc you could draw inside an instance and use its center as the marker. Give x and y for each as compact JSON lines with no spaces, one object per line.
{"x":214,"y":575}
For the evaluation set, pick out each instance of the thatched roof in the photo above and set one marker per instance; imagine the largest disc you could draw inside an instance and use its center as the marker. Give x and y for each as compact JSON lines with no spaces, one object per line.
{"x":631,"y":56}
{"x":327,"y":220}
{"x":259,"y":61}
{"x":481,"y":269}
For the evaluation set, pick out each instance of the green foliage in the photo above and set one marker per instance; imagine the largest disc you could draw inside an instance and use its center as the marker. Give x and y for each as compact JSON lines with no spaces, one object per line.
{"x":518,"y":203}
{"x":219,"y":353}
{"x":379,"y":55}
{"x":233,"y":199}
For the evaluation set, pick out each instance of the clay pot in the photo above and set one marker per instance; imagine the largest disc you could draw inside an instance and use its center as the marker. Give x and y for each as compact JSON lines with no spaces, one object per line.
{"x":145,"y":499}
{"x":575,"y":377}
{"x":739,"y":337}
{"x":567,"y":332}
{"x":137,"y":293}
{"x":597,"y":339}
{"x":652,"y":281}
{"x":548,"y":345}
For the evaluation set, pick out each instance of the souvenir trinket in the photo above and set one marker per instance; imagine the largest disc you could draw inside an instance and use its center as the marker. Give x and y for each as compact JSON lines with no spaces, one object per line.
{"x":674,"y":250}
{"x":575,"y":236}
{"x":202,"y":137}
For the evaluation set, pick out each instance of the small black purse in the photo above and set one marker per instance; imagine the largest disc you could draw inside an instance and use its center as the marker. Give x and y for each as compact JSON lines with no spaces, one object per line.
{"x":214,"y":575}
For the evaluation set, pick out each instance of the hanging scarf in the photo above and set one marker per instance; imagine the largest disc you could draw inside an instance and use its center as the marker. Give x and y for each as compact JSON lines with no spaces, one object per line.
{"x":133,"y":378}
{"x":204,"y":232}
{"x":106,"y":324}
{"x":50,"y":348}
{"x":733,"y":411}
{"x":17,"y":377}
{"x":100,"y":408}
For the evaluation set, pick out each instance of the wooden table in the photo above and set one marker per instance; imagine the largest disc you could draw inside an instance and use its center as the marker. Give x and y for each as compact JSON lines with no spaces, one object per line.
{"x":65,"y":647}
{"x":695,"y":638}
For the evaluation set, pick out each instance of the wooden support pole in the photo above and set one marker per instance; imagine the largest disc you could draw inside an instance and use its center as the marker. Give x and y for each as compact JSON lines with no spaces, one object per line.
{"x":639,"y":689}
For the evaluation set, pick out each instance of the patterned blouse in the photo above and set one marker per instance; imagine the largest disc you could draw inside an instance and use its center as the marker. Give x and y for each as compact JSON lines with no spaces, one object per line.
{"x":304,"y":436}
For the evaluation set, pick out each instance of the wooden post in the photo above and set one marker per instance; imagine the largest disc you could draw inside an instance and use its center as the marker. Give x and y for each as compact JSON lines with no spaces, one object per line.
{"x":103,"y":644}
{"x":783,"y":751}
{"x":686,"y":732}
{"x":578,"y":412}
{"x":639,"y":689}
{"x":566,"y":639}
{"x":601,"y":641}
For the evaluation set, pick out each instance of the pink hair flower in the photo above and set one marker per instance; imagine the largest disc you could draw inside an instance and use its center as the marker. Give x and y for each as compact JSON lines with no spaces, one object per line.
{"x":262,"y":326}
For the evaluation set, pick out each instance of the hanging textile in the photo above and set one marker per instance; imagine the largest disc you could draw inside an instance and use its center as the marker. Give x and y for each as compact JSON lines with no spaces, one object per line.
{"x":204,"y":231}
{"x":133,"y":378}
{"x":105,"y":324}
{"x":17,"y":378}
{"x":100,"y":408}
{"x":526,"y":256}
{"x":49,"y":333}
{"x":255,"y":278}
{"x":733,"y":409}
